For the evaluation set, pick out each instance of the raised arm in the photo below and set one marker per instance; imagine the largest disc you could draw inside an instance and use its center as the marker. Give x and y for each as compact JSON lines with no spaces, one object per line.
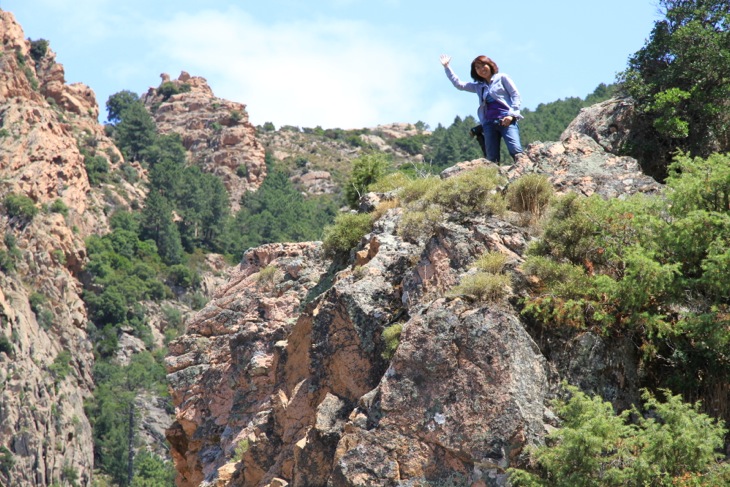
{"x":458,"y":84}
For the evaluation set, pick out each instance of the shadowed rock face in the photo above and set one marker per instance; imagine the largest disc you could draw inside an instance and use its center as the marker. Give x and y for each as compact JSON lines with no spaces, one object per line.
{"x":287,"y":384}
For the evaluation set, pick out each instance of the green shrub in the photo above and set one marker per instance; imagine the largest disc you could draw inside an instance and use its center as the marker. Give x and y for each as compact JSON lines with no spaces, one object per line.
{"x":236,"y":116}
{"x":416,"y":188}
{"x":58,"y":206}
{"x":61,"y":365}
{"x":653,"y":269}
{"x":6,"y":346}
{"x":38,"y":49}
{"x":391,"y":339}
{"x":36,"y":301}
{"x":699,"y":184}
{"x":97,"y":169}
{"x":9,"y":256}
{"x":672,"y":444}
{"x":427,"y":200}
{"x":482,"y":286}
{"x":366,"y":170}
{"x":69,"y":474}
{"x":345,"y":233}
{"x":416,"y":225}
{"x":152,"y":471}
{"x":530,"y":193}
{"x":197,"y":300}
{"x":7,"y":263}
{"x":241,"y":449}
{"x":469,"y":192}
{"x":45,"y":318}
{"x":183,"y":276}
{"x":492,"y":262}
{"x":20,"y":206}
{"x":390,"y":182}
{"x":30,"y":76}
{"x":173,"y":319}
{"x":129,"y":173}
{"x":169,"y":88}
{"x":7,"y":462}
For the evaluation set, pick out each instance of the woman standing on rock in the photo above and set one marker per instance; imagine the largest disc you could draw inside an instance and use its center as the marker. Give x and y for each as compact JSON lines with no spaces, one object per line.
{"x":499,"y":105}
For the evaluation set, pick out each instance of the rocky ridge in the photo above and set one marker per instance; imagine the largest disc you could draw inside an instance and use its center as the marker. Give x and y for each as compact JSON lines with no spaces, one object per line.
{"x":289,"y":383}
{"x":319,"y":161}
{"x":45,"y":367}
{"x":216,"y":132}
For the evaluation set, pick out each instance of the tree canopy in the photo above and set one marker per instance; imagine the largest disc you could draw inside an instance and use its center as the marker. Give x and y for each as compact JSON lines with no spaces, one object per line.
{"x":680,"y":80}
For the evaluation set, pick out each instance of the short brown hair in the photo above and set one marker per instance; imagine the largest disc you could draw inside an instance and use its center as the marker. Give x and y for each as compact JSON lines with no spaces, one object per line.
{"x":483,"y":60}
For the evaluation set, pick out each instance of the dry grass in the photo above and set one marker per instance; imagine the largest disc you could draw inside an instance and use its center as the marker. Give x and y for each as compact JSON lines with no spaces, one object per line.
{"x":483,"y":286}
{"x":531,"y":194}
{"x":492,"y":262}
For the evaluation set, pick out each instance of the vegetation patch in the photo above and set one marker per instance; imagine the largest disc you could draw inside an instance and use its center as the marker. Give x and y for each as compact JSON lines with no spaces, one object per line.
{"x":530,"y":194}
{"x":483,"y":286}
{"x":492,"y":262}
{"x":654,"y":269}
{"x":6,"y":346}
{"x":366,"y":170}
{"x":20,"y":207}
{"x":391,"y":339}
{"x":669,"y":443}
{"x":170,"y":88}
{"x":346,"y":232}
{"x":38,"y":49}
{"x":266,"y":277}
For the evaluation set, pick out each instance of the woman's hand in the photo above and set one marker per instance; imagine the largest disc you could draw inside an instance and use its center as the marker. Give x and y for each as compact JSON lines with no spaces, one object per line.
{"x":506,"y":121}
{"x":445,"y":60}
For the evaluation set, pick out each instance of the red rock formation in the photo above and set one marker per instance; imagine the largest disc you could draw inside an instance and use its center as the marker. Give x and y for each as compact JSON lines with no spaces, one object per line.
{"x":43,"y":125}
{"x":313,"y":401}
{"x":216,"y":132}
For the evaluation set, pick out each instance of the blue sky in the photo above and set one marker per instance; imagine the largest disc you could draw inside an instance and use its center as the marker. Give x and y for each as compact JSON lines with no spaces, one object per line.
{"x":340,"y":63}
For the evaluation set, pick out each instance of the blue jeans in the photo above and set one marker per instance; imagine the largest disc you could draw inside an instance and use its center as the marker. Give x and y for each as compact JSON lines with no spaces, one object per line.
{"x":494,"y":132}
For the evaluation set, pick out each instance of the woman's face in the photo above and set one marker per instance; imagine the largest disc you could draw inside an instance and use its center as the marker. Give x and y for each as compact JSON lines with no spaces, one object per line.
{"x":483,"y":70}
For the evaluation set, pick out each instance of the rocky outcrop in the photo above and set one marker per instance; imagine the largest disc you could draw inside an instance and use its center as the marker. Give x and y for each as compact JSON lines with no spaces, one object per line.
{"x":308,"y":395}
{"x":608,"y":123}
{"x":216,"y":132}
{"x":45,"y":365}
{"x":234,"y":346}
{"x":47,"y":129}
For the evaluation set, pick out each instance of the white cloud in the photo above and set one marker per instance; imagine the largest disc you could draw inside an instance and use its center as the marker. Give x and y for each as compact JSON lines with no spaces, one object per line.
{"x":329,"y":72}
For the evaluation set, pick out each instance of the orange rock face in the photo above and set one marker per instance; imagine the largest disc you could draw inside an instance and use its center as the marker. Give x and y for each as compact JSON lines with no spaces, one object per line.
{"x":44,"y":124}
{"x":216,"y":132}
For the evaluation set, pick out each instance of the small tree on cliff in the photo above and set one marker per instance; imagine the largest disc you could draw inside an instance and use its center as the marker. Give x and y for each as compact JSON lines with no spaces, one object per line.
{"x":366,"y":170}
{"x":117,"y":103}
{"x":681,"y":83}
{"x":136,"y":132}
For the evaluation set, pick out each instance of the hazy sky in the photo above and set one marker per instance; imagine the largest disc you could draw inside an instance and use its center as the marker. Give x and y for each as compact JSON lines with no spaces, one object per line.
{"x":340,"y":63}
